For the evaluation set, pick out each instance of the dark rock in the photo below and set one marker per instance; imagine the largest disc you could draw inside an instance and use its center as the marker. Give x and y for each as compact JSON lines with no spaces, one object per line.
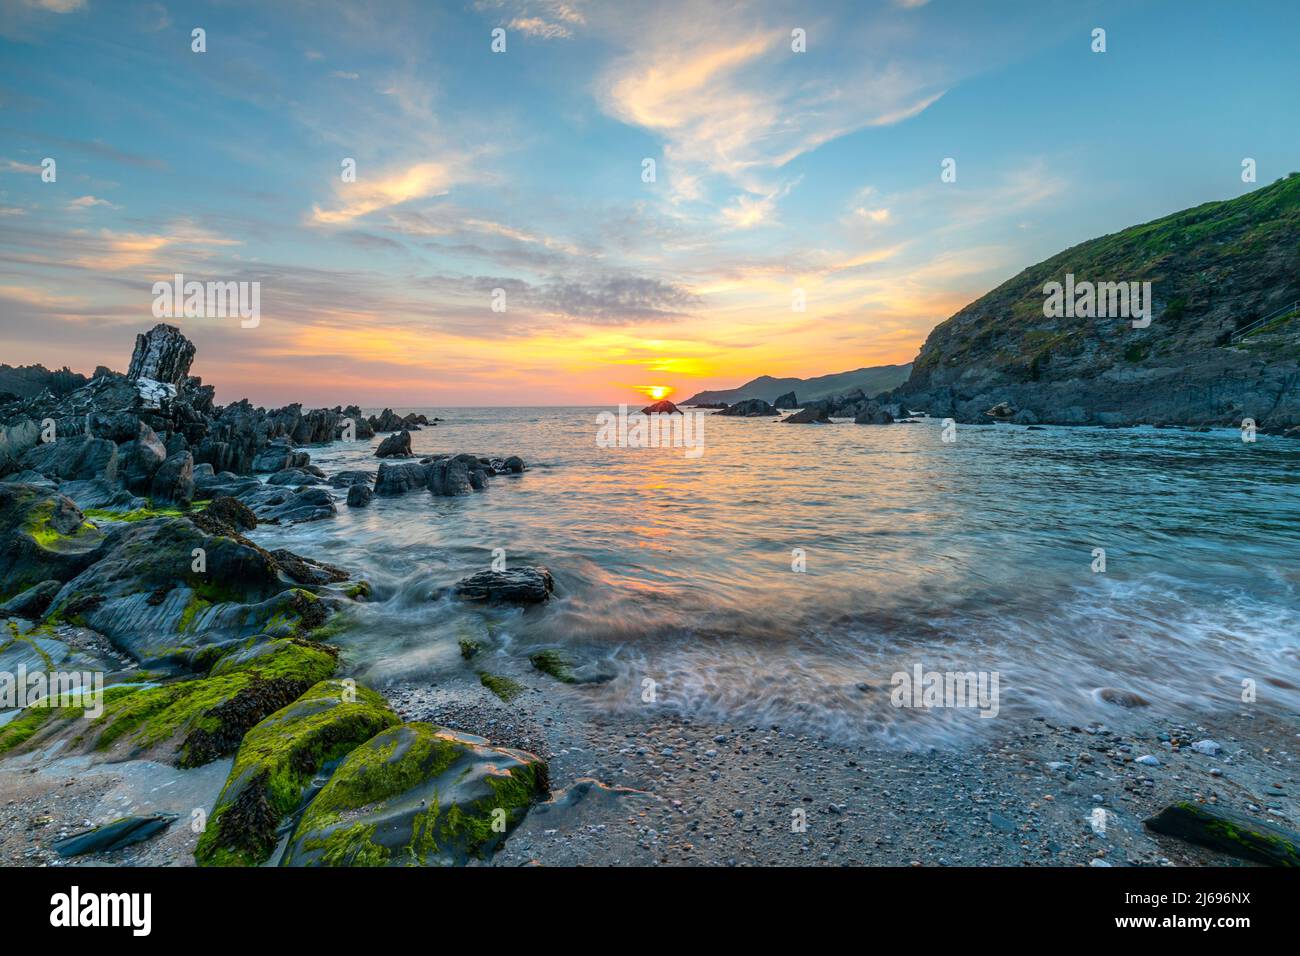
{"x":514,"y":586}
{"x":173,"y":482}
{"x":873,"y":414}
{"x":74,"y":458}
{"x":514,"y":465}
{"x":395,"y":446}
{"x":359,"y":496}
{"x":306,"y":570}
{"x":788,"y":400}
{"x":814,"y":414}
{"x":346,"y":479}
{"x":114,"y":836}
{"x":295,"y":477}
{"x":663,"y":407}
{"x":227,"y":514}
{"x":749,"y":408}
{"x":1227,"y":831}
{"x":33,"y":602}
{"x":398,"y":479}
{"x":43,"y":536}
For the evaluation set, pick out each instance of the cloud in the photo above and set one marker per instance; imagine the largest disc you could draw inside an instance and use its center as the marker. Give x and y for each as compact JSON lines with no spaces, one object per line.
{"x":87,"y":202}
{"x":344,"y":75}
{"x":57,"y":6}
{"x":545,"y":19}
{"x":110,"y":251}
{"x":367,"y":195}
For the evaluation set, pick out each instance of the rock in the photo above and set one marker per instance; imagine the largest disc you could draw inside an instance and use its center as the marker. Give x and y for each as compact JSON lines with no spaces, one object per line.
{"x":296,"y":506}
{"x":873,"y":414}
{"x":31,"y":603}
{"x":1209,"y":748}
{"x":1148,"y":760}
{"x":749,"y":408}
{"x":417,"y":795}
{"x":1121,"y":698}
{"x":359,"y":496}
{"x":514,"y":465}
{"x":16,"y":439}
{"x":140,"y":458}
{"x":43,"y":537}
{"x":162,"y":354}
{"x":1227,"y":831}
{"x":1003,"y":411}
{"x":346,"y":479}
{"x":565,"y":669}
{"x":662,"y":407}
{"x":397,"y":445}
{"x":457,"y":475}
{"x":277,"y":762}
{"x":513,"y":586}
{"x":788,"y":400}
{"x":173,"y":482}
{"x":227,"y":514}
{"x":814,"y":414}
{"x":74,"y":458}
{"x":295,"y":478}
{"x":307,"y":571}
{"x":398,"y":479}
{"x":114,"y":836}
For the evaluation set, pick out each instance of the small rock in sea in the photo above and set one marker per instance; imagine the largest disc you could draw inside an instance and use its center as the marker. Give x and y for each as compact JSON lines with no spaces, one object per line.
{"x":514,"y":586}
{"x":1148,"y":760}
{"x":1208,"y":747}
{"x":359,"y":496}
{"x":864,"y":687}
{"x":395,"y":446}
{"x":1121,"y":698}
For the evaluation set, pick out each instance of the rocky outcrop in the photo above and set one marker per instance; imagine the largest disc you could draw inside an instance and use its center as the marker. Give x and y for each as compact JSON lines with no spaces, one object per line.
{"x":359,"y":496}
{"x":173,"y":482}
{"x":162,"y":355}
{"x":814,"y":414}
{"x":1214,"y":271}
{"x":788,"y":400}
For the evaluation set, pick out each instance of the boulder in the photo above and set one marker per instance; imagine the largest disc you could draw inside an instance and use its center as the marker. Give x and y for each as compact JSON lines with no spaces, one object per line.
{"x":276,"y":764}
{"x":306,"y":570}
{"x":346,"y":479}
{"x":226,"y":515}
{"x":114,"y":836}
{"x":77,"y":457}
{"x":873,"y":414}
{"x":397,"y":445}
{"x":788,"y":400}
{"x":398,"y":479}
{"x":814,"y":414}
{"x":43,"y":537}
{"x":514,"y":465}
{"x":359,"y":496}
{"x":417,"y":795}
{"x":513,"y":586}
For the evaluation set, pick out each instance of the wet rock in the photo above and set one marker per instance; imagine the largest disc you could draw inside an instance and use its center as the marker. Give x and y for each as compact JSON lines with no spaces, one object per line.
{"x":279,"y":455}
{"x":295,"y":477}
{"x":276,"y":764}
{"x":43,"y":536}
{"x":306,"y":570}
{"x":814,"y":414}
{"x":296,"y":506}
{"x":74,"y":458}
{"x":398,"y":479}
{"x":1227,"y":831}
{"x":788,"y":400}
{"x":115,"y":835}
{"x":1003,"y":411}
{"x":417,"y":795}
{"x":346,"y":479}
{"x":514,"y":465}
{"x":397,"y":445}
{"x":457,"y":475}
{"x":513,"y":586}
{"x":873,"y":414}
{"x":225,"y":514}
{"x":1121,"y":698}
{"x":1209,"y":748}
{"x":359,"y":496}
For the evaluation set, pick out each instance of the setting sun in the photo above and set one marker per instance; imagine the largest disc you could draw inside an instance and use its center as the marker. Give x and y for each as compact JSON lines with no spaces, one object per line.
{"x":655,"y":392}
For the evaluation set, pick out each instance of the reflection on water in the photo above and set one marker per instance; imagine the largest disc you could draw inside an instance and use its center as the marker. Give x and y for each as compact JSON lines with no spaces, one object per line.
{"x":975,"y":555}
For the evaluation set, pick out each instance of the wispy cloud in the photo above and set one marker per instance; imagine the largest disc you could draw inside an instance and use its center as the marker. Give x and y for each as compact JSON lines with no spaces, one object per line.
{"x":366,"y":195}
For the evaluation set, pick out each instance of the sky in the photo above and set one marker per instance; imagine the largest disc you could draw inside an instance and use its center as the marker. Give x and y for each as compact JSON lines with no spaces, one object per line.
{"x":778,"y":174}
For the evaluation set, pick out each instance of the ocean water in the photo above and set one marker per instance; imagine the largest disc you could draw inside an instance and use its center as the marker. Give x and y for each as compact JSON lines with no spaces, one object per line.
{"x":975,"y":555}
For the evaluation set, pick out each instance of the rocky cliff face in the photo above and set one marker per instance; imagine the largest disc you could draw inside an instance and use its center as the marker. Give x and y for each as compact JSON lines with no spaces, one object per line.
{"x":1214,"y":270}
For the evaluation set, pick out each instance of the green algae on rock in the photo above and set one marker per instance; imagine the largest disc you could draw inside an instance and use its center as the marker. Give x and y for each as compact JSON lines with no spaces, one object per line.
{"x":503,"y":687}
{"x":417,"y":795}
{"x":276,"y":763}
{"x":197,"y":721}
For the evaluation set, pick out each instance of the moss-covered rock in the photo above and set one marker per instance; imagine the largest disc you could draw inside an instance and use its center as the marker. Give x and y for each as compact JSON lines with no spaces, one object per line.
{"x":504,"y":687}
{"x":277,"y":762}
{"x":554,"y":663}
{"x":196,"y":721}
{"x":1227,"y":831}
{"x":417,"y":795}
{"x":43,"y":537}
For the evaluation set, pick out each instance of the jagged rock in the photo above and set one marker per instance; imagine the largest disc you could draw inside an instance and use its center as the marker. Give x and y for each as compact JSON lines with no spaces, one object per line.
{"x":279,"y":455}
{"x":873,"y":414}
{"x":417,"y":795}
{"x":43,"y":536}
{"x":295,"y":477}
{"x":359,"y":496}
{"x":140,"y":458}
{"x":1227,"y":831}
{"x":173,"y":482}
{"x":307,"y":570}
{"x":16,"y":439}
{"x":1002,"y":411}
{"x":395,"y":446}
{"x":457,"y":475}
{"x":749,"y":408}
{"x":361,"y":424}
{"x":513,"y":586}
{"x":294,"y":506}
{"x":346,"y":479}
{"x":163,"y":355}
{"x":788,"y":400}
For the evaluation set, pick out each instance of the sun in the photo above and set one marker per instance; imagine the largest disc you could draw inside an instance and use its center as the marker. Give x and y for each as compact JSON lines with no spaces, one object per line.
{"x":655,"y":392}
